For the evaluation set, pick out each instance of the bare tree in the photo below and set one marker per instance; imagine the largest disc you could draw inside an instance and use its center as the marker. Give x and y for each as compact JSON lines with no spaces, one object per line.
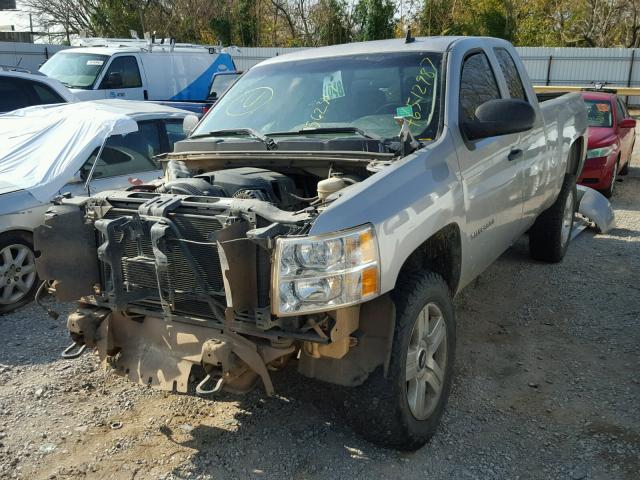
{"x":63,"y":18}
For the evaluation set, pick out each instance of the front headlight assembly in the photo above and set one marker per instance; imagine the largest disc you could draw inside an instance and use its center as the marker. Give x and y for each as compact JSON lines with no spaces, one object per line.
{"x":325,"y":272}
{"x":601,"y":152}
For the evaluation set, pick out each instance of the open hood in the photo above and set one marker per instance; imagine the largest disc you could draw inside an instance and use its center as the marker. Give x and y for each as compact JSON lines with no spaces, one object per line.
{"x":42,"y":147}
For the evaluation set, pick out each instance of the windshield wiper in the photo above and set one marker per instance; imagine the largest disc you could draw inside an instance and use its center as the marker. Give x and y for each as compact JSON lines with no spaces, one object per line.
{"x":236,"y":132}
{"x":322,"y":130}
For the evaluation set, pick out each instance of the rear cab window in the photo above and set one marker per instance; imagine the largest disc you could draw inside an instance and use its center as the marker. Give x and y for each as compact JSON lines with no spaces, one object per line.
{"x":511,"y":74}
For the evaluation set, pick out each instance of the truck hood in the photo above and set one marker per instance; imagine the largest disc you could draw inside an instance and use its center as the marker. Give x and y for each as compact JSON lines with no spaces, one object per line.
{"x":42,"y":147}
{"x":601,"y":137}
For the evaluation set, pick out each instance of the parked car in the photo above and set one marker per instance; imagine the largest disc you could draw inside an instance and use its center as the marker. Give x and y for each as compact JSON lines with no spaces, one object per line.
{"x":55,"y":154}
{"x":20,"y":89}
{"x":327,"y":209}
{"x":611,"y":140}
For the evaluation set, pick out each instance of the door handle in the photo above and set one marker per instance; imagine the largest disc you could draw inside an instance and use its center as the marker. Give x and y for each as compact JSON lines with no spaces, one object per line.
{"x":514,"y":154}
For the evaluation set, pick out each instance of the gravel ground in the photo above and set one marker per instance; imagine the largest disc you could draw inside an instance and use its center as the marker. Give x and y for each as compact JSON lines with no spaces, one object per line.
{"x":547,"y":386}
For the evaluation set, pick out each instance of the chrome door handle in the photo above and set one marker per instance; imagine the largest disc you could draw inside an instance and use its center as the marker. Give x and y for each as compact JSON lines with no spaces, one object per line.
{"x":514,"y":154}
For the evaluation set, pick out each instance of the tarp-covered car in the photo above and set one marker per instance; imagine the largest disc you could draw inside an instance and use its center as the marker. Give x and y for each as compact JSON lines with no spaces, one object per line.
{"x":50,"y":150}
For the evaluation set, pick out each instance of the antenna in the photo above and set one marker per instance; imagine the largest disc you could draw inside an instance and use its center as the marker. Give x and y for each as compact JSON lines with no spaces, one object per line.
{"x":409,"y":38}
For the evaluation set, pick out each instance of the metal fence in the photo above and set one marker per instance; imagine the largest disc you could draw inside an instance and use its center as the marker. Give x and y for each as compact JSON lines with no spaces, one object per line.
{"x":619,"y":67}
{"x":545,"y":65}
{"x":26,"y":55}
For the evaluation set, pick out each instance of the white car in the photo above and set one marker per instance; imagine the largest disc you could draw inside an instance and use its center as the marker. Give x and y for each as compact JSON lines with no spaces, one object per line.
{"x":50,"y":150}
{"x":20,"y":89}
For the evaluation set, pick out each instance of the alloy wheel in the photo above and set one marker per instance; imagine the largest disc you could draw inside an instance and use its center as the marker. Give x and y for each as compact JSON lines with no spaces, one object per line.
{"x":426,"y":362}
{"x":17,"y":273}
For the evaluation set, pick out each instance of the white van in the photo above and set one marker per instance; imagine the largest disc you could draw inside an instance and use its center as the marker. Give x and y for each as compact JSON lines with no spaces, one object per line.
{"x":138,"y":70}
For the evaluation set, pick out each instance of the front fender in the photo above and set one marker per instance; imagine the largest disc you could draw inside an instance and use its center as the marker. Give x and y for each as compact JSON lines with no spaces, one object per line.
{"x":407,"y":202}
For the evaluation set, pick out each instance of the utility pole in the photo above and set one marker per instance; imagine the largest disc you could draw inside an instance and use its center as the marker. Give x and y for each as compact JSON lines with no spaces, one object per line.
{"x":141,"y":19}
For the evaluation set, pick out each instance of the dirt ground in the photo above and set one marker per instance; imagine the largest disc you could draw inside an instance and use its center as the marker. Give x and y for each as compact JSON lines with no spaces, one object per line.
{"x":547,"y":386}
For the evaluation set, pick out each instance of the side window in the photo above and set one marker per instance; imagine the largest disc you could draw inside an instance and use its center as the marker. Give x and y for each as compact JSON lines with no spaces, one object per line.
{"x":175,"y":132}
{"x":46,"y":95}
{"x":621,"y":112}
{"x":127,"y":69}
{"x":511,"y":75}
{"x":14,"y":94}
{"x":477,"y":85}
{"x":126,"y":154}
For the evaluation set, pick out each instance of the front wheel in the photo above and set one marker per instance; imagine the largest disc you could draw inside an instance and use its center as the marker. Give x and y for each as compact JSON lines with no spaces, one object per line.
{"x":550,"y":235}
{"x":410,"y":400}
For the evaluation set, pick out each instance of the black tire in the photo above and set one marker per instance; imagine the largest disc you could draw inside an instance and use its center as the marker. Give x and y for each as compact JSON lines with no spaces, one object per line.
{"x":20,"y":239}
{"x":625,"y":169}
{"x":546,"y":242}
{"x":608,"y":192}
{"x":386,"y":418}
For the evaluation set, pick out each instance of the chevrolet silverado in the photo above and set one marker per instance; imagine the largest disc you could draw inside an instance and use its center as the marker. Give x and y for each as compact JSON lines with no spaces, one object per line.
{"x":324,"y":214}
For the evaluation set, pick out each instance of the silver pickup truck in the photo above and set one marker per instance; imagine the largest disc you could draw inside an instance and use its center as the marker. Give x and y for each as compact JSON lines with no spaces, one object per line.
{"x":324,"y":214}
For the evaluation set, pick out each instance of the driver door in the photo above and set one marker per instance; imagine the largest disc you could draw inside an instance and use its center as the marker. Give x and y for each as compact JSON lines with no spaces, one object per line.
{"x":491,"y":170}
{"x":122,"y":79}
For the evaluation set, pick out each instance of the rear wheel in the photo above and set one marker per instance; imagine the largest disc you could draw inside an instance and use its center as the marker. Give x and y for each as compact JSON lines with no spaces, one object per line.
{"x":550,"y":235}
{"x":18,"y":278}
{"x":404,"y":409}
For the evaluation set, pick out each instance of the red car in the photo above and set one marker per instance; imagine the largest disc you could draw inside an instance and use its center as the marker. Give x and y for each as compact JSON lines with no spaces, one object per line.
{"x":611,"y":139}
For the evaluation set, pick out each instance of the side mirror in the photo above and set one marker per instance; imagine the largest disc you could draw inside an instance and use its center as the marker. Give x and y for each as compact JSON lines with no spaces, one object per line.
{"x":114,"y":80}
{"x":628,"y":123}
{"x":213,"y":96}
{"x":500,"y":117}
{"x":189,"y":124}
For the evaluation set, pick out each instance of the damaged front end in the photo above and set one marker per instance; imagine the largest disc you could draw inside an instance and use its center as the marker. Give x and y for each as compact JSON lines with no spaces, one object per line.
{"x":177,"y":287}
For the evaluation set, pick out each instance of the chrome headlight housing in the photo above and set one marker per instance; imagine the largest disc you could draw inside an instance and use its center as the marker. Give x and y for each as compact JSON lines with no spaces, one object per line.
{"x":325,"y":272}
{"x":601,"y":152}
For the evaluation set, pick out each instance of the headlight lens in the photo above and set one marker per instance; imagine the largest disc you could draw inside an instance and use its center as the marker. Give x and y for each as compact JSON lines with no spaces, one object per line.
{"x":314,"y":274}
{"x":601,"y":152}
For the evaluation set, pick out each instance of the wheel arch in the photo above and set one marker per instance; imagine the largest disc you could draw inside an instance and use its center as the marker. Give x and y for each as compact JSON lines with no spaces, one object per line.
{"x":25,"y":233}
{"x":577,"y":153}
{"x":441,"y":253}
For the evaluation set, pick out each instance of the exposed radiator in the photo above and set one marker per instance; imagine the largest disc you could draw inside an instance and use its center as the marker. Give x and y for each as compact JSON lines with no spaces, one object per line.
{"x":139,"y":272}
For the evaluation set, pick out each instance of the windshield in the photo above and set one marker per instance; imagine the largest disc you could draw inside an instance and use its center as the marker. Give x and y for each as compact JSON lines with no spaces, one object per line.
{"x":74,"y":70}
{"x":599,"y":113}
{"x":361,"y":91}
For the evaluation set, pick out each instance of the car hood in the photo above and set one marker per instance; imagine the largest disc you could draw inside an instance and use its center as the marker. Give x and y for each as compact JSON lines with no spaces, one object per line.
{"x":601,"y":137}
{"x":43,"y":147}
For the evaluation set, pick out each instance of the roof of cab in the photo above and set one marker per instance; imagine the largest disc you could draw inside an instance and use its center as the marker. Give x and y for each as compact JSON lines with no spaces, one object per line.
{"x":420,"y":44}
